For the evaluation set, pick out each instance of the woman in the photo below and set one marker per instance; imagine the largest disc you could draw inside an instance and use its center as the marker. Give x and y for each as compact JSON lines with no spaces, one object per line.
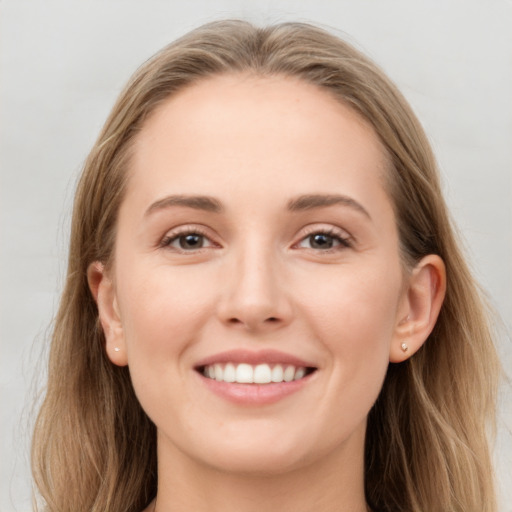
{"x":266,"y":306}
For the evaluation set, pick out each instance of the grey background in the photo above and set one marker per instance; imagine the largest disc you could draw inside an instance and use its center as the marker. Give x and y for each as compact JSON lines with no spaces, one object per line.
{"x":62,"y":64}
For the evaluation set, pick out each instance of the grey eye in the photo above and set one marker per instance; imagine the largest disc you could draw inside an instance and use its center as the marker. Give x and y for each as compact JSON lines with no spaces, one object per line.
{"x":187,"y":241}
{"x":321,"y":241}
{"x":190,"y":241}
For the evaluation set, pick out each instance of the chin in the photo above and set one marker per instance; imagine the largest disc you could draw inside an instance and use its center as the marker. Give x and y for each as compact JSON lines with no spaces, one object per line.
{"x":251,"y":452}
{"x":258,"y":462}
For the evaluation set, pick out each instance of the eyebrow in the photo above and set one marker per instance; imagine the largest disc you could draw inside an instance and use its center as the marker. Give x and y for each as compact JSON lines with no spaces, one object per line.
{"x":210,"y":204}
{"x":205,"y":203}
{"x":310,"y":201}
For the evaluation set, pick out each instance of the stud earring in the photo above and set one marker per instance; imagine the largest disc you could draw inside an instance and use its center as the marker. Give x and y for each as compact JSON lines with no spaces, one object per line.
{"x":117,"y":349}
{"x":404,"y":347}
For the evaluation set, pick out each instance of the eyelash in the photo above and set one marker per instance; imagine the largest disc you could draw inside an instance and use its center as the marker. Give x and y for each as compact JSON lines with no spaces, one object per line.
{"x":343,"y":241}
{"x":184,"y":231}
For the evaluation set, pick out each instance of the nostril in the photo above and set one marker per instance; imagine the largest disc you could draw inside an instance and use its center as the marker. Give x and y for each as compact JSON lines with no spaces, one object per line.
{"x":254,"y":322}
{"x":271,"y":319}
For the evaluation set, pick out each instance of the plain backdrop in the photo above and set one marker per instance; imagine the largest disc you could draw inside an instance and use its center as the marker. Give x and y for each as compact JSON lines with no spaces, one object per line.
{"x":62,"y":64}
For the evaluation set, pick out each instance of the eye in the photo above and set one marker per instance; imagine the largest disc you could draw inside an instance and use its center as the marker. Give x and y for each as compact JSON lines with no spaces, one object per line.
{"x":187,"y":241}
{"x":323,"y":241}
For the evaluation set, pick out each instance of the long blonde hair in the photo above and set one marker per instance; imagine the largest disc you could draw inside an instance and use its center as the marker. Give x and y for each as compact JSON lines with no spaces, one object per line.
{"x":94,"y":448}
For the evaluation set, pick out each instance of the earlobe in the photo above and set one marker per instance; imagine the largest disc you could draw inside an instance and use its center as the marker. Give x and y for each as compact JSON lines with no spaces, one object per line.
{"x":421,"y":304}
{"x":103,"y":291}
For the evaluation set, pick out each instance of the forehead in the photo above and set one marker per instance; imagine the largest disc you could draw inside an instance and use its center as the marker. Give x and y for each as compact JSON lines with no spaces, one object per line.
{"x":253,"y":101}
{"x":243,"y":129}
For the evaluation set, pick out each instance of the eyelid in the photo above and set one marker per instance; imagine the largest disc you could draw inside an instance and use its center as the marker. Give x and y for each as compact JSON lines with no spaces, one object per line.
{"x":174,"y":233}
{"x":346,"y":240}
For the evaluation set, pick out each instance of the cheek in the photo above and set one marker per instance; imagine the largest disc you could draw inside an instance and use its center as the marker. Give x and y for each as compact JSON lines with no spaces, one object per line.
{"x":358,"y":305}
{"x":162,"y":309}
{"x":355,"y":317}
{"x":163,"y":315}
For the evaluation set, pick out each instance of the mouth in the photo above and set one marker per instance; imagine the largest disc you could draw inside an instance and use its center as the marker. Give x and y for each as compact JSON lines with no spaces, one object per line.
{"x":245,"y":373}
{"x":255,"y":378}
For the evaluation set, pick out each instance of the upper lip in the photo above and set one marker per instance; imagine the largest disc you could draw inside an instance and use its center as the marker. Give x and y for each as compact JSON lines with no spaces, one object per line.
{"x":254,"y":357}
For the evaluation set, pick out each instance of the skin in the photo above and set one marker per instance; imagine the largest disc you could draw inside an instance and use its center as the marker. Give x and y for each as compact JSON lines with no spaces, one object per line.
{"x":259,"y":282}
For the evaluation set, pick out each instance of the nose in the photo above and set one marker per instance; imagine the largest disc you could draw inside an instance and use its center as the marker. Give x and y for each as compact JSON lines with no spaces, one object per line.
{"x":256,"y":296}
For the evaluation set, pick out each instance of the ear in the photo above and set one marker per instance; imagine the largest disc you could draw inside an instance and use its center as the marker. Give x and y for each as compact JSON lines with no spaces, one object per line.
{"x":103,"y":291}
{"x":421,"y":302}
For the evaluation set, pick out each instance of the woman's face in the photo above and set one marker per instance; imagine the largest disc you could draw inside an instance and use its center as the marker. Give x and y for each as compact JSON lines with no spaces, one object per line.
{"x":256,"y":242}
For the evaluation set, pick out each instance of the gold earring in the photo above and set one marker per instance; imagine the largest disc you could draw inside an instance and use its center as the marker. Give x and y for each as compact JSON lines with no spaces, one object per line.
{"x":404,"y":347}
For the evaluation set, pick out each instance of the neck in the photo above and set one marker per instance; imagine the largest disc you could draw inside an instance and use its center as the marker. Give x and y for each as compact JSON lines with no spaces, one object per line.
{"x":326,"y":485}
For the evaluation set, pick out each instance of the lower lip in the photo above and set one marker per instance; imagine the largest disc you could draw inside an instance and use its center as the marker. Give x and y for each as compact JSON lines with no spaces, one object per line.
{"x":255,"y":394}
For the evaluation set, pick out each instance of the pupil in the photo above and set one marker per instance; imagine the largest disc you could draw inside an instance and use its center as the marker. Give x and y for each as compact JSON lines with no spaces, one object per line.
{"x":320,"y":241}
{"x":192,"y":241}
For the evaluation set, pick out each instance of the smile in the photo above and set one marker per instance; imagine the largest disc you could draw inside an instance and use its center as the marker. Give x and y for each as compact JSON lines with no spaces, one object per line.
{"x":243,"y":373}
{"x":255,"y":378}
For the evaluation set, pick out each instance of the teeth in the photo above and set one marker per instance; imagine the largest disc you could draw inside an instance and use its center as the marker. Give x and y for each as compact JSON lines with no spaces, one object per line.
{"x":277,"y":373}
{"x":229,"y":373}
{"x":300,"y":372}
{"x":218,"y":372}
{"x":289,"y":373}
{"x":248,"y":374}
{"x":262,"y":374}
{"x":244,"y":374}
